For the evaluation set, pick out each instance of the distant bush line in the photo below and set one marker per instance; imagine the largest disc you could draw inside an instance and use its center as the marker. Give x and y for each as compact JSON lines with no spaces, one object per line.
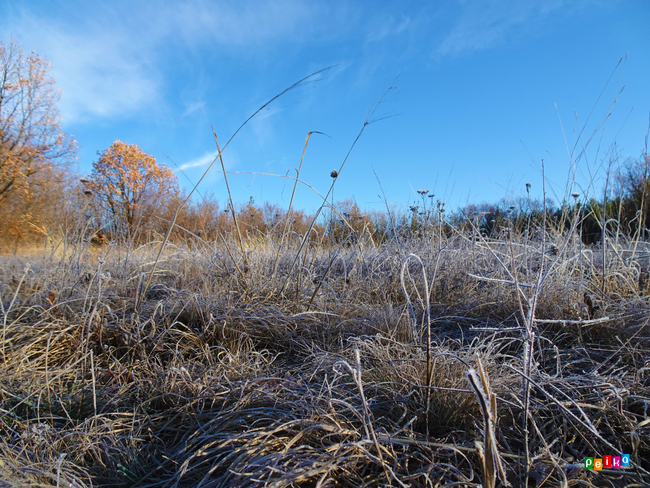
{"x":62,"y":202}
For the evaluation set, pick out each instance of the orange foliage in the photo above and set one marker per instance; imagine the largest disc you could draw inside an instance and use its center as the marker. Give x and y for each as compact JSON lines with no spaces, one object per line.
{"x":130,"y":185}
{"x":359,"y":222}
{"x":30,"y":133}
{"x":32,"y":215}
{"x":31,"y":140}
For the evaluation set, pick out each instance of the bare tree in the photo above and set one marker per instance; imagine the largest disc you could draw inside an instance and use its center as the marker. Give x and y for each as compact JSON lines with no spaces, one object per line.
{"x":31,"y":138}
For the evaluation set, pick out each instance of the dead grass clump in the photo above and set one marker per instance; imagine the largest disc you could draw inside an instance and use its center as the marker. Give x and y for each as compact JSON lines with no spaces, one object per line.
{"x":351,"y":368}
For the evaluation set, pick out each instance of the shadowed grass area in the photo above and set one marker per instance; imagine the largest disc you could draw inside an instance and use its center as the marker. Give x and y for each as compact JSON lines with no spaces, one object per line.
{"x":316,"y":374}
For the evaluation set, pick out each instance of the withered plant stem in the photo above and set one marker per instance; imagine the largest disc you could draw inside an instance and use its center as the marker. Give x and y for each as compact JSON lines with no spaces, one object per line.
{"x":234,"y":216}
{"x":178,"y":210}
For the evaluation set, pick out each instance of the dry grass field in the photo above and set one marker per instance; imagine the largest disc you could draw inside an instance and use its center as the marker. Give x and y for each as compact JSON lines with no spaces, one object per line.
{"x":449,"y":359}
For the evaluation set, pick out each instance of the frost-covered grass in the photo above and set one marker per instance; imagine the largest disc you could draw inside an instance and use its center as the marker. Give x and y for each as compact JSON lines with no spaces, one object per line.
{"x":350,"y":368}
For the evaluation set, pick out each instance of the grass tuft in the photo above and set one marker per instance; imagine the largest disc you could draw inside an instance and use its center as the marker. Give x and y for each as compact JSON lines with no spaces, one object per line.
{"x":357,"y":377}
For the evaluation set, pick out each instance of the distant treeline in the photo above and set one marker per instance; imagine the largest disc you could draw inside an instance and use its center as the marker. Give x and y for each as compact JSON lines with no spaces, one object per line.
{"x":63,"y":205}
{"x":623,"y":210}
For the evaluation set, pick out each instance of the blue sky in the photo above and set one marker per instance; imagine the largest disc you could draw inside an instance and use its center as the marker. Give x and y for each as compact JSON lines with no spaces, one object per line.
{"x":469,"y":88}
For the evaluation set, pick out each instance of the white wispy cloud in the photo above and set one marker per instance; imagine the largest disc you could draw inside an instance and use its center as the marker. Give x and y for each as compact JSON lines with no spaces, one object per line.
{"x":486,"y":24}
{"x":103,"y":81}
{"x":385,"y":26}
{"x":242,"y":24}
{"x":200,"y":161}
{"x":110,"y":60}
{"x":103,"y":67}
{"x":191,"y":107}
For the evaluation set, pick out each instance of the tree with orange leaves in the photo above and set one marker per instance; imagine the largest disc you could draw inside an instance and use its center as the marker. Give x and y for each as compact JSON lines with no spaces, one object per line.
{"x":129,"y":184}
{"x":31,"y":138}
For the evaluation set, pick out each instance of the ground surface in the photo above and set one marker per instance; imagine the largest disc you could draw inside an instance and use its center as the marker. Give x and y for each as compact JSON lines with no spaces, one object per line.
{"x":424,"y":362}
